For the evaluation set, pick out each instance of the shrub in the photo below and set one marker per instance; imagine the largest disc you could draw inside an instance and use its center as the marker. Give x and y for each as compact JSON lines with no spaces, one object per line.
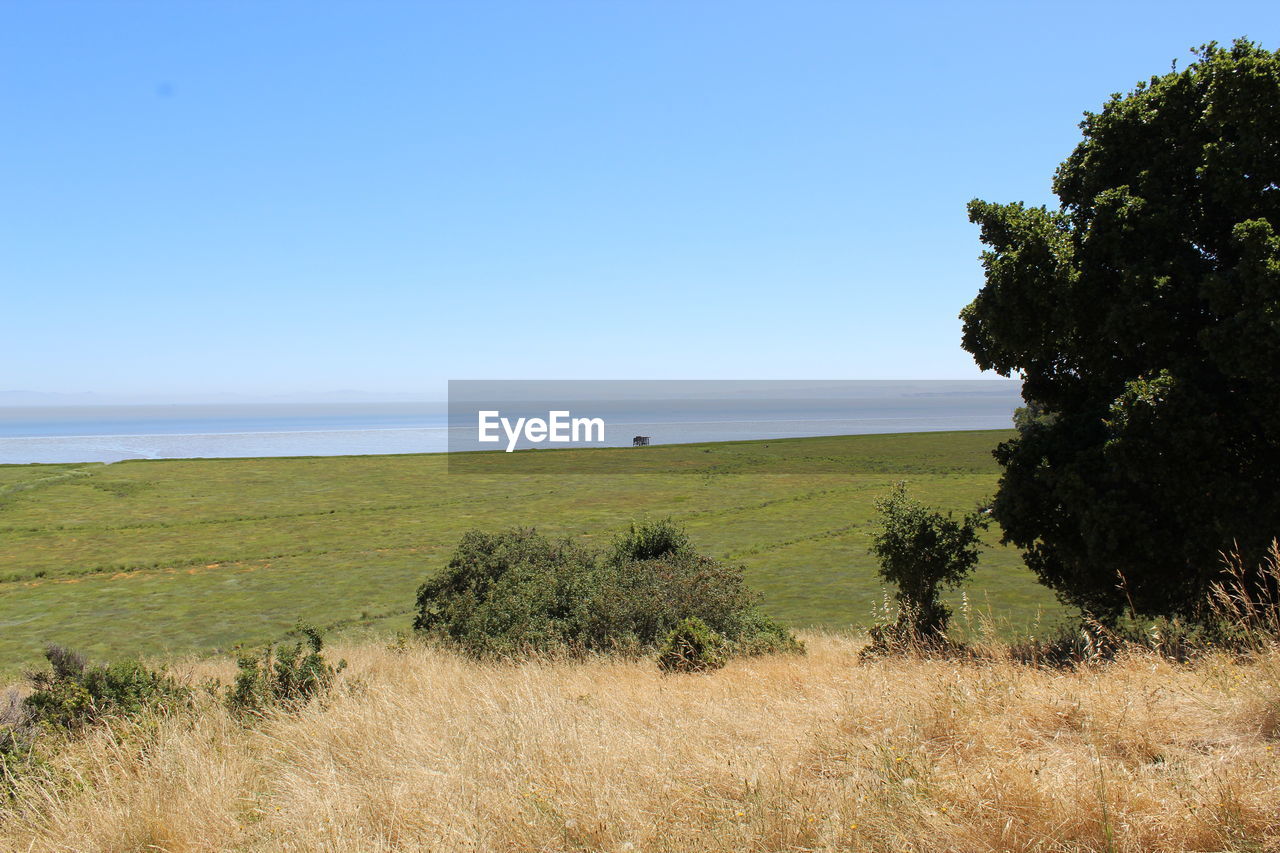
{"x":285,"y":676}
{"x":920,"y":552}
{"x":650,"y":541}
{"x":507,"y":593}
{"x":762,"y":636}
{"x":643,"y":600}
{"x":692,"y":647}
{"x":71,"y":694}
{"x":517,"y":592}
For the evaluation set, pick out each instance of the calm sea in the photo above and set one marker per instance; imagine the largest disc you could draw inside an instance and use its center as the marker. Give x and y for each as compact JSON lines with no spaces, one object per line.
{"x":113,"y":433}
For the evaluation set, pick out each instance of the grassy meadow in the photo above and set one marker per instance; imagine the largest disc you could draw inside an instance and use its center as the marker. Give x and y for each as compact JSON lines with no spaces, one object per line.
{"x":194,"y":556}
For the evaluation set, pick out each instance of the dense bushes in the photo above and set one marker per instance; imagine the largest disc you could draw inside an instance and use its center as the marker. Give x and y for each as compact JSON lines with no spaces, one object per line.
{"x":69,"y":697}
{"x":71,"y":694}
{"x":518,"y":591}
{"x":286,"y":677}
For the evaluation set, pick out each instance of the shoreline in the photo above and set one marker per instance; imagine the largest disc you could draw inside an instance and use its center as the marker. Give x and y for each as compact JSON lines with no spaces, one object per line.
{"x":522,"y":453}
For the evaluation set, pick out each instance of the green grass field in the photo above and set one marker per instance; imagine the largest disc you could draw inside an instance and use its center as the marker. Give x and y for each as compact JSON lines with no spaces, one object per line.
{"x":197,"y":555}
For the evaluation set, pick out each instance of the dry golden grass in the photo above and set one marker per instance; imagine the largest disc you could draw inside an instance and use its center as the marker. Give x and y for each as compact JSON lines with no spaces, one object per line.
{"x":423,"y":750}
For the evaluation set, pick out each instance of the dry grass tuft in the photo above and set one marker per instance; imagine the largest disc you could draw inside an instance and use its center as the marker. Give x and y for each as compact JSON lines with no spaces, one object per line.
{"x":423,"y":750}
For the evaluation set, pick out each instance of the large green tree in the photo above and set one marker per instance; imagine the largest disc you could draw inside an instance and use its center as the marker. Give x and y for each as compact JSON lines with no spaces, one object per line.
{"x":1143,"y":315}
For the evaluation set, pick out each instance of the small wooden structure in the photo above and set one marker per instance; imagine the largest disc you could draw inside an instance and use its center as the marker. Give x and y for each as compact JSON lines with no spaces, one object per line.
{"x":640,"y":441}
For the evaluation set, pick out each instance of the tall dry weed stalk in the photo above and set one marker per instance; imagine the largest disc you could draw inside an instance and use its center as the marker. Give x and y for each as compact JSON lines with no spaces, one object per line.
{"x":1248,"y":602}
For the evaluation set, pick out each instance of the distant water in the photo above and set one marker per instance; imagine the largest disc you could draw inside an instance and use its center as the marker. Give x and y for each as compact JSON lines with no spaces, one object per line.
{"x":113,"y":433}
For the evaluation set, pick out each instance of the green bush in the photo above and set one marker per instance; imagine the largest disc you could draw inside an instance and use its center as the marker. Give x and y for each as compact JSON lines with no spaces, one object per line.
{"x":71,"y":694}
{"x":506,"y":593}
{"x":286,"y":676}
{"x":692,"y":647}
{"x":650,"y":541}
{"x":762,"y":636}
{"x":517,"y":592}
{"x":921,"y":552}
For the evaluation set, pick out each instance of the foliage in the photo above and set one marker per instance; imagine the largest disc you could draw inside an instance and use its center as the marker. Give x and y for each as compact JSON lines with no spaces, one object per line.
{"x":643,"y":594}
{"x":1240,"y":616}
{"x":285,"y":676}
{"x":71,"y":694}
{"x":650,"y":541}
{"x":1144,"y":316}
{"x":761,"y":635}
{"x":507,"y":592}
{"x":692,"y":647}
{"x":517,"y":592}
{"x":922,"y":551}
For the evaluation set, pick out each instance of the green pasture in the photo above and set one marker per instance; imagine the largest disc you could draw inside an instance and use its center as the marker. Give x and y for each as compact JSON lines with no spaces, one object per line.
{"x":179,"y":556}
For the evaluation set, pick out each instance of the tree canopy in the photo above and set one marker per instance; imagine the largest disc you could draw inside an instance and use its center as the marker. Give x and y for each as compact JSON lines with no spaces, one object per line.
{"x":1143,"y":315}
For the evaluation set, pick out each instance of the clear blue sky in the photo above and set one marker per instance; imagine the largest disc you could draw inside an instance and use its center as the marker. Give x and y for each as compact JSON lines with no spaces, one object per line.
{"x":276,"y":197}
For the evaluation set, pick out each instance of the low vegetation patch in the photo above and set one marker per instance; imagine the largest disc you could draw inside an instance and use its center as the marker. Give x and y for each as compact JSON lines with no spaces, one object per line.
{"x":692,"y":647}
{"x":61,"y":706}
{"x":518,"y":592}
{"x":70,"y":697}
{"x":71,"y":694}
{"x":1240,"y":615}
{"x":285,"y":676}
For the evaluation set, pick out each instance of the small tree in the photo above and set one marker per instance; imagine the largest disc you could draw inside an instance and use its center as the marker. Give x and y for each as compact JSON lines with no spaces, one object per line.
{"x":920,"y":552}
